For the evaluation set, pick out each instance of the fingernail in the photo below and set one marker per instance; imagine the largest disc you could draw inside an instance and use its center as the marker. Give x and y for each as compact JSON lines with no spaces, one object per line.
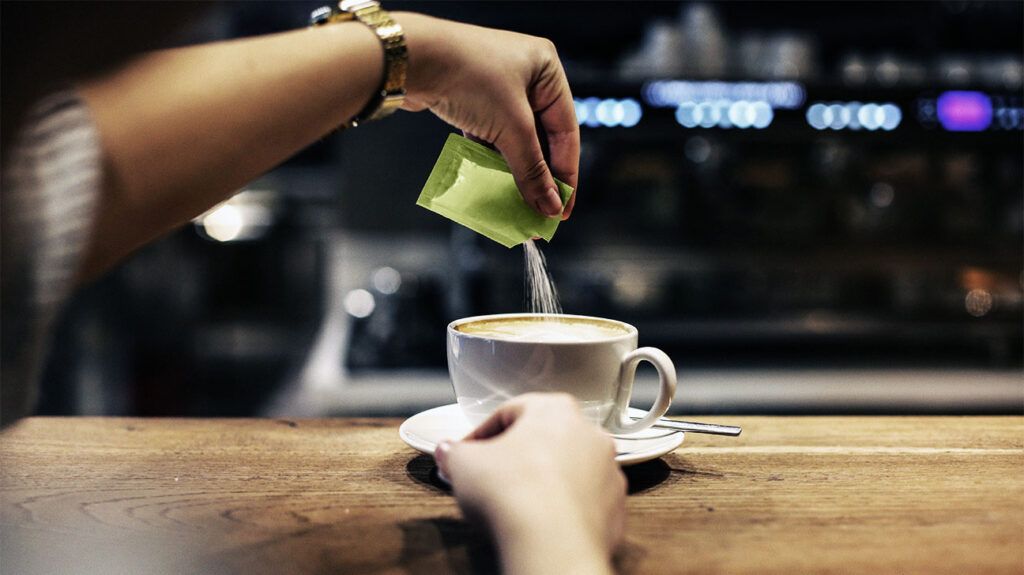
{"x":550,"y":204}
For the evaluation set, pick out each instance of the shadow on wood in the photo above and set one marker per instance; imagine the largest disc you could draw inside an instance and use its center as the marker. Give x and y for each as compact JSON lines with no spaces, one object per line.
{"x":647,"y":475}
{"x":422,"y":470}
{"x":446,"y":545}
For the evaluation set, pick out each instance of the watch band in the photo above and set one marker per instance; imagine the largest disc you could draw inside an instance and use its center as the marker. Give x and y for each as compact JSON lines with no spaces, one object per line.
{"x":391,"y":94}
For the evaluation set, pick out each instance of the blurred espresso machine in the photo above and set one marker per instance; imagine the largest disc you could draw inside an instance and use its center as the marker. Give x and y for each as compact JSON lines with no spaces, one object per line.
{"x":769,"y":196}
{"x":820,"y":188}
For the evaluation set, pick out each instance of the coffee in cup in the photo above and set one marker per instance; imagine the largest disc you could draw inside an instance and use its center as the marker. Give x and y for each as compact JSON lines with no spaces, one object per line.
{"x":496,"y":357}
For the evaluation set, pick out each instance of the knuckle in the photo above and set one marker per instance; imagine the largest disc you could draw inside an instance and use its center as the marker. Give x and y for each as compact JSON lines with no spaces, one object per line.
{"x":537,"y":170}
{"x":542,"y":50}
{"x":544,"y":46}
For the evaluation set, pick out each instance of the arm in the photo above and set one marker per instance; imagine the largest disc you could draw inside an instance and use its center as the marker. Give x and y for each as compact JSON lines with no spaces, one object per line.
{"x":184,"y":128}
{"x":545,"y":481}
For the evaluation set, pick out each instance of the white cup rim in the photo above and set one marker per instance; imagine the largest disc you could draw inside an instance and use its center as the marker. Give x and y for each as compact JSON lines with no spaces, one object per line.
{"x":631,"y":331}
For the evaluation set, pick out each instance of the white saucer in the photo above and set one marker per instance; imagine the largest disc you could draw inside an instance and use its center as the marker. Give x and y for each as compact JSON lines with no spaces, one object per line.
{"x":425,"y":430}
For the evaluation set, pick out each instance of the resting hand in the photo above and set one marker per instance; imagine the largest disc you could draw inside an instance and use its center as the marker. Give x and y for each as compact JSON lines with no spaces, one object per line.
{"x":545,"y":480}
{"x":492,"y":84}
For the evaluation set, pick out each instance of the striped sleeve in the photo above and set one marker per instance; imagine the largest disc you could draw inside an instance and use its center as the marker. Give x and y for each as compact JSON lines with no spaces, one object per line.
{"x":50,"y":191}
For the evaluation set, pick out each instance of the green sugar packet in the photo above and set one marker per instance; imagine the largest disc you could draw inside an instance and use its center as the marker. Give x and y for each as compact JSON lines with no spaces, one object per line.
{"x":473,"y":186}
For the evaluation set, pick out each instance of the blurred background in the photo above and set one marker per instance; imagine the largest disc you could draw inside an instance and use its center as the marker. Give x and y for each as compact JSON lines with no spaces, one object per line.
{"x":812,"y":207}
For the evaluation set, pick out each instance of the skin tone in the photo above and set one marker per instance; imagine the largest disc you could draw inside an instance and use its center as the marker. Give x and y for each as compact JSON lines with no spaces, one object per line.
{"x":183,"y":129}
{"x":564,"y":512}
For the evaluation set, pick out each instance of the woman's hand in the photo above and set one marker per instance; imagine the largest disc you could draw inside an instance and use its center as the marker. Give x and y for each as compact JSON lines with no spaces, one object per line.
{"x":495,"y":85}
{"x":545,"y":481}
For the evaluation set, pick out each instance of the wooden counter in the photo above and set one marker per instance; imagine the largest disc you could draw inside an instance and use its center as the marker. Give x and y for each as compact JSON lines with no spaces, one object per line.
{"x":792,"y":495}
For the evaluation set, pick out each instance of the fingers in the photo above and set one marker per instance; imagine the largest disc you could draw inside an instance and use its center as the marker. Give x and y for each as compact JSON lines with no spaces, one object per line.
{"x":442,"y":457}
{"x":455,"y":459}
{"x":499,"y":421}
{"x":512,"y":410}
{"x":530,"y":406}
{"x":543,"y":407}
{"x":558,"y":120}
{"x":521,"y":148}
{"x":569,"y":206}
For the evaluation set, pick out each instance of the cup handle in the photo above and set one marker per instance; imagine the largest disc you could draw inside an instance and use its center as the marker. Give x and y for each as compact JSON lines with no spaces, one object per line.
{"x":619,"y":421}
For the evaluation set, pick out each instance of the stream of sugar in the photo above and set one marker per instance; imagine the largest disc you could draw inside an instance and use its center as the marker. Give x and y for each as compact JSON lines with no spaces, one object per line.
{"x":541,"y":295}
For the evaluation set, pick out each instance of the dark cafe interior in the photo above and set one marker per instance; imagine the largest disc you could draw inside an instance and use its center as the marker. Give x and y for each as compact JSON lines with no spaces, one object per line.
{"x":815,"y":209}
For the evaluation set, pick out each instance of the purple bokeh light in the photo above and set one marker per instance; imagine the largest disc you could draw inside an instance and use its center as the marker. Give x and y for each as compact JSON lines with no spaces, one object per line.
{"x":964,"y":111}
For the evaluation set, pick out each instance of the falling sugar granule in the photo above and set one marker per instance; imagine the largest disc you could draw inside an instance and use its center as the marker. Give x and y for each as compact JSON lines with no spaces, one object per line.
{"x":541,"y":295}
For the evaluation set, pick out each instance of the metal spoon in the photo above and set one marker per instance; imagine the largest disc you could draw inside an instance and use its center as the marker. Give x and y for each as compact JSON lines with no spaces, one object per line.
{"x":694,"y":427}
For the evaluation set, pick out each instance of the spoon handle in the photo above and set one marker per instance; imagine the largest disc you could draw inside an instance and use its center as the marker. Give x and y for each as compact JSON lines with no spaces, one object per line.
{"x":694,"y":427}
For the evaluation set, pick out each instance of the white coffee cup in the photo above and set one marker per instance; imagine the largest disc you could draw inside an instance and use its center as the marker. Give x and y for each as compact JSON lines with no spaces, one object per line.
{"x":496,"y":360}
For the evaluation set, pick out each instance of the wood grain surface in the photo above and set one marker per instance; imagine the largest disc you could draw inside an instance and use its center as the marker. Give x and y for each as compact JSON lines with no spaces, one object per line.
{"x":907,"y":495}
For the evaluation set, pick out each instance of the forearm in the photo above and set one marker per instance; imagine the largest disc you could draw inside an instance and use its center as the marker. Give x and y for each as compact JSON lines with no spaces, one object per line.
{"x":181,"y":129}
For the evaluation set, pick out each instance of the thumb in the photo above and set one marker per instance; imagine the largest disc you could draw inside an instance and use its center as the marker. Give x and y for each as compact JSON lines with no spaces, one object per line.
{"x":452,"y":458}
{"x":521,"y":148}
{"x":442,"y":457}
{"x":461,"y":460}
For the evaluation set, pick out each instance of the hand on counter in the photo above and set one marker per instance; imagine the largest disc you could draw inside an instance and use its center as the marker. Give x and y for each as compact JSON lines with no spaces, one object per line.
{"x":545,"y":480}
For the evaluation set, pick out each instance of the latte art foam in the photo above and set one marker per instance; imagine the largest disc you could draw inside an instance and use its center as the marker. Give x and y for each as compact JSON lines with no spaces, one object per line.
{"x":543,"y":330}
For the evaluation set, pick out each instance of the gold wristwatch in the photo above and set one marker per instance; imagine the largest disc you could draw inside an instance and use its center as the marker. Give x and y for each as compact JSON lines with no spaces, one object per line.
{"x":396,"y":58}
